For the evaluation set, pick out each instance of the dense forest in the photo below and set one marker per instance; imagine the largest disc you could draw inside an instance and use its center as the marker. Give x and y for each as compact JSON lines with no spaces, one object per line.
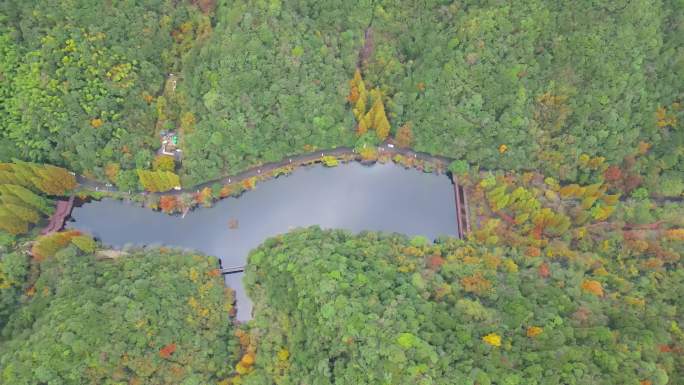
{"x":563,"y":120}
{"x":527,"y":85}
{"x":382,"y":309}
{"x":158,"y":317}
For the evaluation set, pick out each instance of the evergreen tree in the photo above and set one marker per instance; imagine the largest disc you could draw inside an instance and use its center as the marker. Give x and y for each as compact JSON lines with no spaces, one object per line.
{"x":13,"y":225}
{"x":380,"y":122}
{"x":24,"y":213}
{"x":27,"y":196}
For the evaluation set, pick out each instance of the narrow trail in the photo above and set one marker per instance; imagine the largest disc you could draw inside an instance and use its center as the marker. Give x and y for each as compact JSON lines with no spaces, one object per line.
{"x":297,"y":160}
{"x":303,"y":159}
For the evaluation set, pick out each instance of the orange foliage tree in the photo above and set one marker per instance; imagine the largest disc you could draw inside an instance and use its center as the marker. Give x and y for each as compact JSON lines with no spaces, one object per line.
{"x":612,"y":173}
{"x":592,"y":287}
{"x":404,"y":136}
{"x":249,"y":183}
{"x":167,"y":351}
{"x":476,"y":284}
{"x":226,"y":191}
{"x":112,"y":171}
{"x":46,"y":246}
{"x":204,"y":197}
{"x":168,"y":203}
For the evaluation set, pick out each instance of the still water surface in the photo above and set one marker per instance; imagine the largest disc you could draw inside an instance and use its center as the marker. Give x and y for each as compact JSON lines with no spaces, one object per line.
{"x":352,"y":196}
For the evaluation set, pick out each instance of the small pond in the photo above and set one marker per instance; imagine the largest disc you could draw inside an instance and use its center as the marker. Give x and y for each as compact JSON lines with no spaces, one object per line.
{"x":383,"y":197}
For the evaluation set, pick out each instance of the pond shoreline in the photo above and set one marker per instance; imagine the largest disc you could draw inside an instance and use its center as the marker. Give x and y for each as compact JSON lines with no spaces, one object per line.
{"x":386,"y":198}
{"x":348,"y":153}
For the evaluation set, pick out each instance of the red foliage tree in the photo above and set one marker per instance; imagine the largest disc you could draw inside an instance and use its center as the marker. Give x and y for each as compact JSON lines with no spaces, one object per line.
{"x":544,"y":270}
{"x":167,"y":351}
{"x":168,"y":203}
{"x":434,"y":262}
{"x":612,"y":174}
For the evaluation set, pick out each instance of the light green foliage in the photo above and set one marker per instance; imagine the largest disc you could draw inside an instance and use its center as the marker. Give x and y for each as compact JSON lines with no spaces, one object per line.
{"x":158,"y":181}
{"x":106,"y":321}
{"x":566,"y":88}
{"x":84,"y":243}
{"x":128,"y":180}
{"x":458,"y":167}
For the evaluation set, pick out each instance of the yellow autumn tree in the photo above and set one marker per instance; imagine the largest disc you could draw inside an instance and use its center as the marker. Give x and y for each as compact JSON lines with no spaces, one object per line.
{"x":365,"y":123}
{"x":46,"y":179}
{"x":373,"y":119}
{"x":492,"y":339}
{"x":157,"y":181}
{"x":96,"y":123}
{"x":354,"y":94}
{"x":357,"y":95}
{"x":47,"y":245}
{"x":380,"y":122}
{"x":163,"y":163}
{"x":368,"y":154}
{"x":13,"y":225}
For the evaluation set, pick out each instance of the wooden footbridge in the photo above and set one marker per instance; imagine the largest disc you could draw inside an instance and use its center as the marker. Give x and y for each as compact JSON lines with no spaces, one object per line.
{"x":62,"y":212}
{"x":462,"y":216}
{"x":232,"y":270}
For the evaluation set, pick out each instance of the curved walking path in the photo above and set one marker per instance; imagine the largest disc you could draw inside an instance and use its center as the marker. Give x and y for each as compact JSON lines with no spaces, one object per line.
{"x":303,"y":159}
{"x":297,"y":160}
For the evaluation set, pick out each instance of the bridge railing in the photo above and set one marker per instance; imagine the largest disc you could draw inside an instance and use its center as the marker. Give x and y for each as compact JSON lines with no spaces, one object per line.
{"x":232,"y":270}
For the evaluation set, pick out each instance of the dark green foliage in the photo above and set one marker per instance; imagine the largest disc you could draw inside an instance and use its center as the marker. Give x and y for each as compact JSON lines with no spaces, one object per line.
{"x":551,"y":80}
{"x":154,"y":318}
{"x":375,"y":309}
{"x":13,"y":270}
{"x":270,"y":81}
{"x":78,"y":78}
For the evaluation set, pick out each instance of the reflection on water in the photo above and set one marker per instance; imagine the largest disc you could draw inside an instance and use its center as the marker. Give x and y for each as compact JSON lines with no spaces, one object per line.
{"x":355,"y":197}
